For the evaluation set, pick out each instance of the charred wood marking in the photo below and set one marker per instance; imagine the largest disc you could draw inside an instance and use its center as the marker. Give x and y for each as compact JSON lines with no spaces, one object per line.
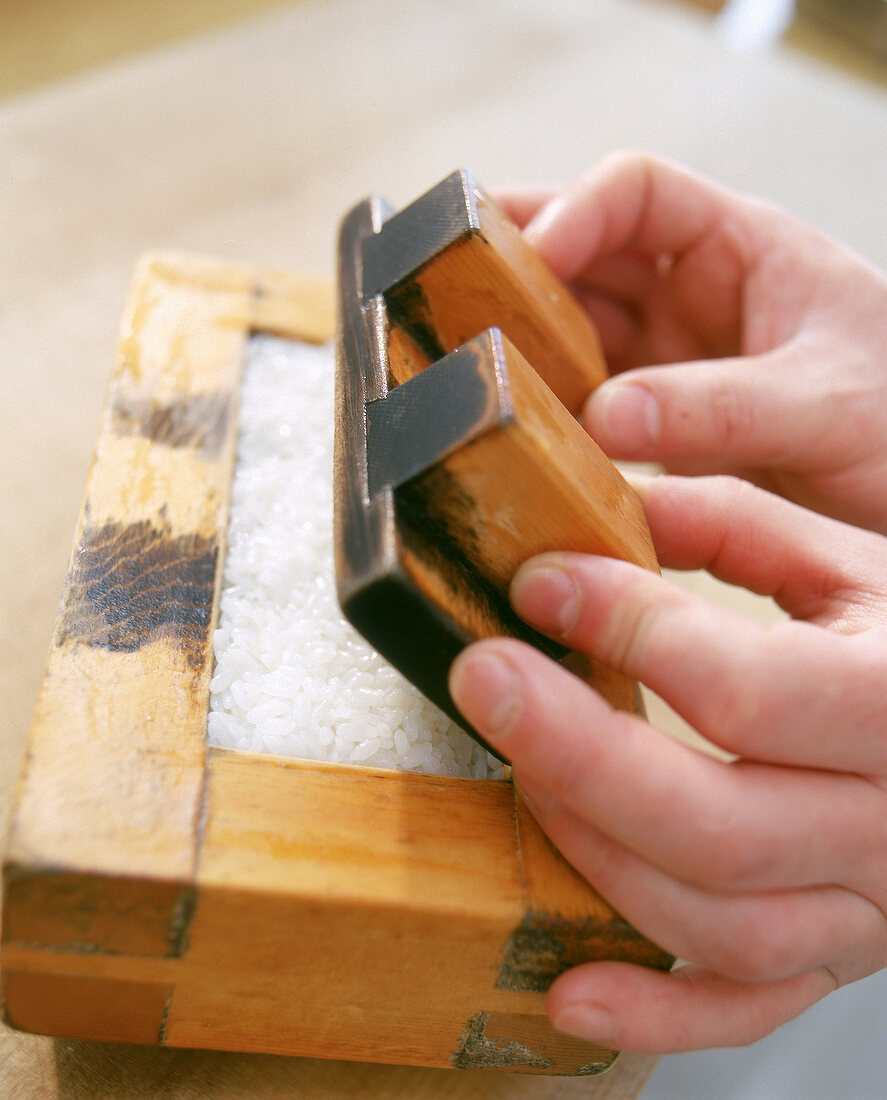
{"x":164,"y":1022}
{"x":131,"y":585}
{"x":180,"y":926}
{"x":413,"y":237}
{"x":428,"y":534}
{"x":200,"y":421}
{"x":543,"y":947}
{"x":434,"y":414}
{"x":591,"y":1069}
{"x":93,"y":914}
{"x":476,"y":1051}
{"x":409,"y":308}
{"x":430,"y":530}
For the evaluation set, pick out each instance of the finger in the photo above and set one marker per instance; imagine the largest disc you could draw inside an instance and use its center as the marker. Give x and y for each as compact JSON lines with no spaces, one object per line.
{"x":627,"y":277}
{"x":617,"y":327}
{"x":635,"y":1009}
{"x":631,"y":202}
{"x":772,"y":693}
{"x":734,"y":827}
{"x":725,"y":414}
{"x":815,"y":568}
{"x":628,"y":342}
{"x":522,"y":204}
{"x":712,"y":416}
{"x":748,"y":936}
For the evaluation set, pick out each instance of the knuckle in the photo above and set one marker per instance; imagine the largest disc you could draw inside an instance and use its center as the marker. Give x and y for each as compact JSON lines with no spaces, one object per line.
{"x":605,"y":864}
{"x":726,"y":858}
{"x":628,"y":633}
{"x":732,"y":412}
{"x":737,"y":710}
{"x":750,"y":949}
{"x":634,"y":628}
{"x":621,"y":162}
{"x":580,"y":756}
{"x":734,"y":864}
{"x":735,"y":490}
{"x":751,"y":704}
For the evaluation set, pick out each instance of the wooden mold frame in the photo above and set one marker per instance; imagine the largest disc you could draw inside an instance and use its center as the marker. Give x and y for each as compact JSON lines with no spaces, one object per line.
{"x":161,"y":891}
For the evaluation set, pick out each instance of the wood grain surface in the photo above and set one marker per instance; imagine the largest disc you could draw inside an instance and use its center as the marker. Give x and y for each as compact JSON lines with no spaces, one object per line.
{"x":249,"y":145}
{"x":159,"y":892}
{"x":457,"y":458}
{"x":451,"y":265}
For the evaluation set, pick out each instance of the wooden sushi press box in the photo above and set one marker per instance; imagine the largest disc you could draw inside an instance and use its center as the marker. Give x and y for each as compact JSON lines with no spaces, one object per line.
{"x":159,"y":890}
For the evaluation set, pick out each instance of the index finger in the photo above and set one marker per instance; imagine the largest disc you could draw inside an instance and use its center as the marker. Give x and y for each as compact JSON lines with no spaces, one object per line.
{"x":636,"y":202}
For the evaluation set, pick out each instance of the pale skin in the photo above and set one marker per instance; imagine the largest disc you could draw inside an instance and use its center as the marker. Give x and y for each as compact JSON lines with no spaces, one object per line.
{"x":767,"y":873}
{"x":753,"y":344}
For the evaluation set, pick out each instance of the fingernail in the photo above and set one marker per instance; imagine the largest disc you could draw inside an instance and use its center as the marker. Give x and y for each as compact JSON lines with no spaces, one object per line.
{"x":547,"y":597}
{"x":588,"y":1020}
{"x":629,"y":416}
{"x":486,"y":689}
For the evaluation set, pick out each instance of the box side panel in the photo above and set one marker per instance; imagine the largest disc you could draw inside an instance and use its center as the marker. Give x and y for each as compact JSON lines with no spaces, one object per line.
{"x":114,"y":767}
{"x":86,"y":1007}
{"x":101,"y":857}
{"x":352,"y":913}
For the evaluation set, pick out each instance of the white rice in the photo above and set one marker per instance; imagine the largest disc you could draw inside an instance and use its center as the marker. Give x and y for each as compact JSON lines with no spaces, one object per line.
{"x":291,"y":676}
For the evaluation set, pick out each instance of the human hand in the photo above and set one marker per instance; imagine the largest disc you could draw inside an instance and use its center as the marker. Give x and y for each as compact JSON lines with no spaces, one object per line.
{"x":779,"y":332}
{"x":767,"y":874}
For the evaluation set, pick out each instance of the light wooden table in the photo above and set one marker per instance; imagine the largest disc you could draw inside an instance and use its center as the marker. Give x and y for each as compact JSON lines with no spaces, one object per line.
{"x":248,"y":144}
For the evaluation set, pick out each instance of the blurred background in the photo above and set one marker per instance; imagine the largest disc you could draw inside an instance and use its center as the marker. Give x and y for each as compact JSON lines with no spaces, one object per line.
{"x":47,"y":40}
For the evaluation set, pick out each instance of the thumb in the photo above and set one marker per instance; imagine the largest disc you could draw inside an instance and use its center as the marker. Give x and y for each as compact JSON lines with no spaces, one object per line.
{"x":739,"y":413}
